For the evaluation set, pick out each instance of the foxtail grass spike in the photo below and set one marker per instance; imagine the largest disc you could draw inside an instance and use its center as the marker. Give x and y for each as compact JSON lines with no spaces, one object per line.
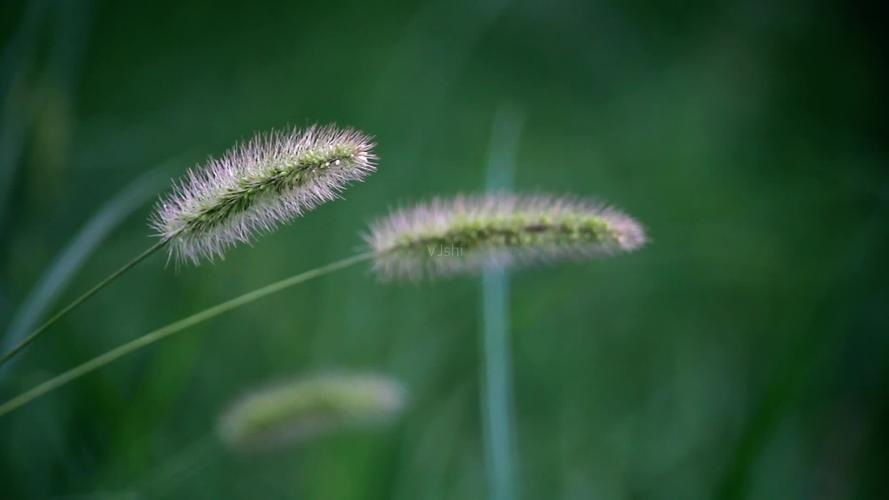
{"x":299,"y":410}
{"x":258,"y":185}
{"x":467,"y":234}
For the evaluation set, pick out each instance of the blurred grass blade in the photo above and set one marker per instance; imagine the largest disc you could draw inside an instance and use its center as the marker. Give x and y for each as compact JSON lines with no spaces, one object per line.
{"x":15,"y":63}
{"x":165,"y":478}
{"x":72,"y":258}
{"x":20,"y":56}
{"x":497,"y":401}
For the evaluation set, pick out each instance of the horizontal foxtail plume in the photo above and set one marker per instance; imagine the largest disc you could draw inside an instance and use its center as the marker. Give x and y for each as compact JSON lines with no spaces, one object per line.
{"x":299,"y":410}
{"x":469,"y":233}
{"x":257,"y":185}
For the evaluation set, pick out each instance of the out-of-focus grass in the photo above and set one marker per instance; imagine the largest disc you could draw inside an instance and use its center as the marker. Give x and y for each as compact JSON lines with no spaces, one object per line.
{"x":60,"y":272}
{"x":498,"y":421}
{"x":740,"y":355}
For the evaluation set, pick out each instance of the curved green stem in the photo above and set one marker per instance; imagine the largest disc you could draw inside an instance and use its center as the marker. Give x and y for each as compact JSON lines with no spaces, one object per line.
{"x":80,"y":300}
{"x":177,"y":326}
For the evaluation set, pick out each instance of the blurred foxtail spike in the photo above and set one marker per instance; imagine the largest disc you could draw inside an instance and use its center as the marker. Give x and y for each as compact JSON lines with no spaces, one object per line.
{"x":466,"y":234}
{"x":299,"y":410}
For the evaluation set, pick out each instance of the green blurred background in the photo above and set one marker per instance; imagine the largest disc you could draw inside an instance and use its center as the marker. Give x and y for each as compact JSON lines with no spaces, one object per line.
{"x":743,"y":354}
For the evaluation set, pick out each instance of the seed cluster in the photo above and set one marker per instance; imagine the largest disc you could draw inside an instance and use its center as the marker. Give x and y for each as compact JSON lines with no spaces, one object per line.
{"x":468,"y":233}
{"x":256,"y":186}
{"x":298,"y":410}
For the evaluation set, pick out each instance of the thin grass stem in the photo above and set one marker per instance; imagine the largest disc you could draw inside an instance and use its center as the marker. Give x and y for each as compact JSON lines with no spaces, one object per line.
{"x":497,"y":393}
{"x":71,"y":259}
{"x":80,"y":300}
{"x":172,"y":328}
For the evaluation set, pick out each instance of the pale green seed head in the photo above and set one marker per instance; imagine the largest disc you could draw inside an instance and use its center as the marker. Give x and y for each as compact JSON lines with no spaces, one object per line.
{"x":299,"y":410}
{"x":469,"y":233}
{"x":255,"y":187}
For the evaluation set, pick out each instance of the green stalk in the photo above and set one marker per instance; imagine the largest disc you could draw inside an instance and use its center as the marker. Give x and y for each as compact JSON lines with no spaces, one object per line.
{"x":57,"y":276}
{"x":497,"y":393}
{"x":80,"y":300}
{"x":497,"y":402}
{"x":172,"y":328}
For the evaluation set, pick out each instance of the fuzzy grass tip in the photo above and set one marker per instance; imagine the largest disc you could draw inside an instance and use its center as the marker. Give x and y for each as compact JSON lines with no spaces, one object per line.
{"x":296,"y":411}
{"x":258,"y":185}
{"x":466,"y":234}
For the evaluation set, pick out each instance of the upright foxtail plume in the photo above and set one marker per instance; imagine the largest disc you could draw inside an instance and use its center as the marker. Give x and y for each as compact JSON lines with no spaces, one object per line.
{"x":469,"y":233}
{"x":258,"y":185}
{"x":299,"y":410}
